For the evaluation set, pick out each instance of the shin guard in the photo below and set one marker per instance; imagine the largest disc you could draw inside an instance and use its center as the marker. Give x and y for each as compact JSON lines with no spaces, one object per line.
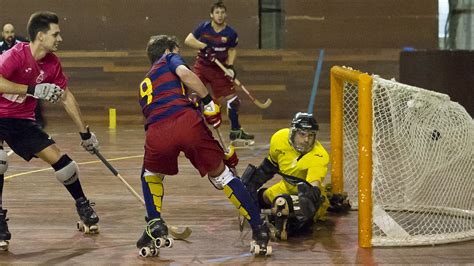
{"x":240,"y":197}
{"x":152,"y":185}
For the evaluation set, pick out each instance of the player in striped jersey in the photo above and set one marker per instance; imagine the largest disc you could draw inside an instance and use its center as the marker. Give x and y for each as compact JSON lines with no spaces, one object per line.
{"x":174,"y":125}
{"x":215,"y":39}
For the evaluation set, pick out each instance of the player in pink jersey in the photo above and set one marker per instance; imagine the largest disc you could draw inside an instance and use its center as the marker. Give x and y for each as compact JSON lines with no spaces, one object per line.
{"x":30,"y":72}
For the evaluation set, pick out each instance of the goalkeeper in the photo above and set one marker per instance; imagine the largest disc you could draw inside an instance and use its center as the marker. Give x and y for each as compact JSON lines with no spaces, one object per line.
{"x":302,"y":161}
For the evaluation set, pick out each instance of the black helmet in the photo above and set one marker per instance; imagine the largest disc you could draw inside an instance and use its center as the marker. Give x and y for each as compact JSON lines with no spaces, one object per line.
{"x":306,"y":123}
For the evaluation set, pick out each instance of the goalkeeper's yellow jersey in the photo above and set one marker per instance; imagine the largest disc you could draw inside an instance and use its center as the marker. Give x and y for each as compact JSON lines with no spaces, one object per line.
{"x":312,"y":166}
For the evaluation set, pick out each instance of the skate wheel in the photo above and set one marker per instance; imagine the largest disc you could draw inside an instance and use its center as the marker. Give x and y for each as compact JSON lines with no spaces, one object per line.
{"x":155,"y":252}
{"x":269,"y":251}
{"x":160,"y":242}
{"x":273,"y":234}
{"x":242,"y":143}
{"x":255,"y":249}
{"x":145,"y":252}
{"x":93,"y":229}
{"x":80,"y":226}
{"x":86,"y":229}
{"x":4,"y":245}
{"x":252,"y":247}
{"x":280,"y":201}
{"x":169,"y":242}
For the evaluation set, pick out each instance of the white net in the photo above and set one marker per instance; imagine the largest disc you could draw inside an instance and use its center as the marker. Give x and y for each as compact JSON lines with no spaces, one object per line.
{"x":422,"y":164}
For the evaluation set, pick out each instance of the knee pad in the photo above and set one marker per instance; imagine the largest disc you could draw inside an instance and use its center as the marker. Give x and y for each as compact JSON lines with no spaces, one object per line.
{"x":3,"y":162}
{"x":151,"y":177}
{"x":261,"y":202}
{"x":66,"y":170}
{"x":249,"y":176}
{"x":233,"y":103}
{"x":223,"y":179}
{"x":268,"y":169}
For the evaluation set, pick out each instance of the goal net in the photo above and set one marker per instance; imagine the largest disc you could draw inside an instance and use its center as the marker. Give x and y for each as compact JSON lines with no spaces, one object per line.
{"x":421,"y":167}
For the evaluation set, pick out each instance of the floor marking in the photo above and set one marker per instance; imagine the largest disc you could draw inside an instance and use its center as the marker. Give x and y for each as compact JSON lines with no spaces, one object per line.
{"x":83,"y":163}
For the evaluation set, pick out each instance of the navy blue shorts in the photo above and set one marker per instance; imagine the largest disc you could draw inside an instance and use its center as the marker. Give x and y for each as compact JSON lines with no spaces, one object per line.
{"x":24,"y":137}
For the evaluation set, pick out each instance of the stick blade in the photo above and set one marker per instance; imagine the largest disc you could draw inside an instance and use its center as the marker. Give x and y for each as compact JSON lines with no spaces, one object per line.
{"x":264,"y":105}
{"x":174,"y":231}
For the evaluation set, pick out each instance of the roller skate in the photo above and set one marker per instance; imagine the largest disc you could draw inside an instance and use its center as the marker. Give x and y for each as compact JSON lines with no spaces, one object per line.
{"x":280,"y":213}
{"x":154,"y":237}
{"x":89,"y":219}
{"x":240,"y":138}
{"x":4,"y":233}
{"x":259,"y":244}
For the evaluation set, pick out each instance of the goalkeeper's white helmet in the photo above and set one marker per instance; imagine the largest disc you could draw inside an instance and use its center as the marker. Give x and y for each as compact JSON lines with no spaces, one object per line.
{"x":303,"y":131}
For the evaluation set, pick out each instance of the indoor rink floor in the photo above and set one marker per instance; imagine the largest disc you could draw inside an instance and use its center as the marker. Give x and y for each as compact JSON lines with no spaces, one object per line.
{"x":43,"y":217}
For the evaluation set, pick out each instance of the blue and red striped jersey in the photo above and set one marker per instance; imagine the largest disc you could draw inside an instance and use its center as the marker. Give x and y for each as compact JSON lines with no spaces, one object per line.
{"x":162,"y":94}
{"x":220,"y":41}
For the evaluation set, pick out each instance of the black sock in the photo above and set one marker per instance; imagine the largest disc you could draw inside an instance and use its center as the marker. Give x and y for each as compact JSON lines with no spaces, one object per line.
{"x":2,"y":177}
{"x":75,"y":188}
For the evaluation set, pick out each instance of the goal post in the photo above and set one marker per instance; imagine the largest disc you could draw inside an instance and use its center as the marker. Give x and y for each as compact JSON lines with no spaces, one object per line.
{"x":404,"y":155}
{"x":340,"y":75}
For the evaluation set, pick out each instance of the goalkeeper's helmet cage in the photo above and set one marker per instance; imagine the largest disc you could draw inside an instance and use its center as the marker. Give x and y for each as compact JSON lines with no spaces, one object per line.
{"x":306,"y":125}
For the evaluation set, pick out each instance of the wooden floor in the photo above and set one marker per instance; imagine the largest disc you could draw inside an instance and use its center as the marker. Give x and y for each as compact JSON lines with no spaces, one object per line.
{"x":43,"y":217}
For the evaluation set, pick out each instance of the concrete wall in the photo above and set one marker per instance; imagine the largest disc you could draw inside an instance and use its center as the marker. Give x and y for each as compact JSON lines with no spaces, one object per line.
{"x":127,"y":24}
{"x":449,"y":72}
{"x":361,"y":23}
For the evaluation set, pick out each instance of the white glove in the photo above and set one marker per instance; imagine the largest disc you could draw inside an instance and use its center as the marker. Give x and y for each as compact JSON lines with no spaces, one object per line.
{"x":89,"y":141}
{"x":46,"y":91}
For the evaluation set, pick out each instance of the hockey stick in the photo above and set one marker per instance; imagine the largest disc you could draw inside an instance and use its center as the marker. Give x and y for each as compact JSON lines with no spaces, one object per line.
{"x":174,"y":231}
{"x":221,"y":140}
{"x":261,"y":105}
{"x":316,"y":81}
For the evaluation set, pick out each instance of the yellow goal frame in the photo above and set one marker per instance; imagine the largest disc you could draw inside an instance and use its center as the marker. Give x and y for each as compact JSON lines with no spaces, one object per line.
{"x":340,"y":75}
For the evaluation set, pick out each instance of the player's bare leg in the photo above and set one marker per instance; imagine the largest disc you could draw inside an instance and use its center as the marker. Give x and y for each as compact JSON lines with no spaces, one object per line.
{"x":67,"y":173}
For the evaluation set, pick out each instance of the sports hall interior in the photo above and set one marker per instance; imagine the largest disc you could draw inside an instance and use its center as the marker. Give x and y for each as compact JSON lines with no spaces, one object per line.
{"x":103,"y":55}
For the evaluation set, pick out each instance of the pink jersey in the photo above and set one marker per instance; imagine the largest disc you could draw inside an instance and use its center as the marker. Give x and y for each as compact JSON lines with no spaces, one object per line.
{"x":18,"y":65}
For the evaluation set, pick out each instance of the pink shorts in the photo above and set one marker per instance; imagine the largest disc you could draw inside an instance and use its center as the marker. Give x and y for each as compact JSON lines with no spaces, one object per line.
{"x":221,"y":85}
{"x":184,"y":132}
